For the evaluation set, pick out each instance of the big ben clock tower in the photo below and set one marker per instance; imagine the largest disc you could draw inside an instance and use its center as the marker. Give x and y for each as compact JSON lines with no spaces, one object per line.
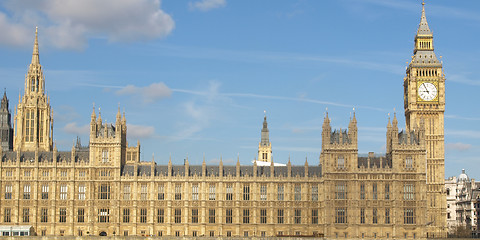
{"x":424,"y":100}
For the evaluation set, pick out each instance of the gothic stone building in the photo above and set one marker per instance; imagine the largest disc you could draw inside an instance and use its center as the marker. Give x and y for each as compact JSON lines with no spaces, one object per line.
{"x":104,"y":188}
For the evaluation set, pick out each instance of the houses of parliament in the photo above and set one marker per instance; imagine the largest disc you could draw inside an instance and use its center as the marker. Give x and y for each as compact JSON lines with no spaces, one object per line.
{"x":104,"y":189}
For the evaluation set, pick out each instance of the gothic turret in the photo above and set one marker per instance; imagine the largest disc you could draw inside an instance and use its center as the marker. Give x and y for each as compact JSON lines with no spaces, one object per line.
{"x":33,"y":118}
{"x":265,"y":146}
{"x":6,"y":130}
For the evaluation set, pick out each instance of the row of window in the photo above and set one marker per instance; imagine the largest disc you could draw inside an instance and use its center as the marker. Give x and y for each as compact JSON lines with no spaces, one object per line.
{"x":46,"y":173}
{"x":408,"y":191}
{"x":105,"y":191}
{"x":341,"y":162}
{"x":408,"y":215}
{"x":103,"y":215}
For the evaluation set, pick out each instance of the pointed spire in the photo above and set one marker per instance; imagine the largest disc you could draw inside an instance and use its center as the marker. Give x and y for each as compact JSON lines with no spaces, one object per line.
{"x":394,"y":121}
{"x":423,"y":28}
{"x":265,"y":133}
{"x":35,"y":55}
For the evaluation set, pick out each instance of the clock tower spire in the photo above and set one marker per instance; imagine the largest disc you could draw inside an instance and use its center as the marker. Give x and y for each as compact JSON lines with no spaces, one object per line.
{"x":424,"y":102}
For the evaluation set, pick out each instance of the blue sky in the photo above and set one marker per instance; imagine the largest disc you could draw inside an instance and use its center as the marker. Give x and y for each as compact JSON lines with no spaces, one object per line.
{"x":194,"y":77}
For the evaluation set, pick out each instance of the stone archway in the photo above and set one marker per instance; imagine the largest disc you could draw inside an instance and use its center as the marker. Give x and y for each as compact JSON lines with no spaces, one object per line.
{"x":103,"y":233}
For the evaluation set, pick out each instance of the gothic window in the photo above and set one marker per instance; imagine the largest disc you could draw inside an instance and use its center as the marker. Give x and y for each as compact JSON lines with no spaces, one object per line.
{"x":314,"y":216}
{"x":340,"y":190}
{"x":104,"y":155}
{"x":341,"y":162}
{"x":211,"y":215}
{"x":161,"y":192}
{"x":160,"y":215}
{"x":26,"y":215}
{"x":409,"y":216}
{"x":81,"y":191}
{"x":409,"y":162}
{"x":126,"y":192}
{"x":362,"y":215}
{"x":263,"y":215}
{"x":340,"y":215}
{"x":195,"y":192}
{"x":229,"y":214}
{"x":211,"y":195}
{"x":362,"y":191}
{"x":44,"y":215}
{"x":374,"y":191}
{"x":246,"y":192}
{"x":263,"y":192}
{"x":144,"y":192}
{"x":387,"y":215}
{"x":298,"y":192}
{"x":178,"y":215}
{"x":280,"y":192}
{"x":8,"y":192}
{"x":298,"y":216}
{"x":315,"y":193}
{"x":26,"y":192}
{"x":29,"y":125}
{"x":374,"y":216}
{"x":246,"y":215}
{"x":408,"y":191}
{"x":7,"y":215}
{"x":387,"y":191}
{"x":62,"y":215}
{"x":40,"y":127}
{"x":104,"y":215}
{"x":280,"y":216}
{"x":143,"y":215}
{"x":229,"y":195}
{"x":178,"y":191}
{"x":104,"y":191}
{"x":126,"y":215}
{"x":81,"y":215}
{"x":195,"y":215}
{"x":63,"y":192}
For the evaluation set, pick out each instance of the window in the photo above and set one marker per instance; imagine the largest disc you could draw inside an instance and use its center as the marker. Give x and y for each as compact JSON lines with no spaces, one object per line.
{"x":104,"y":156}
{"x":229,"y":213}
{"x":194,"y":233}
{"x":298,"y":192}
{"x":229,"y":195}
{"x":63,"y":192}
{"x":44,"y":215}
{"x":45,"y":173}
{"x":362,"y":215}
{"x":246,"y":192}
{"x":340,"y":215}
{"x":387,"y":191}
{"x":160,"y":215}
{"x":62,"y":215}
{"x":280,"y":216}
{"x":26,"y":192}
{"x":178,"y":192}
{"x":340,"y":191}
{"x":374,"y":191}
{"x":263,"y":192}
{"x":29,"y":124}
{"x":374,"y":216}
{"x":211,"y":215}
{"x":104,"y":191}
{"x":362,"y":191}
{"x":81,"y":173}
{"x":144,"y":192}
{"x":280,"y":192}
{"x":81,"y":191}
{"x":211,"y":192}
{"x":212,"y":233}
{"x":245,"y":233}
{"x":409,"y":162}
{"x":409,"y":216}
{"x":263,"y":215}
{"x":298,"y":216}
{"x":80,"y":215}
{"x":7,"y":215}
{"x":246,"y":215}
{"x":195,"y":192}
{"x":408,"y":191}
{"x":315,"y":193}
{"x":143,"y":215}
{"x":8,"y":192}
{"x":104,"y":215}
{"x":195,"y":215}
{"x":26,"y":215}
{"x":178,"y":215}
{"x":341,"y":162}
{"x":26,"y":173}
{"x":314,"y":216}
{"x":387,"y":215}
{"x":161,"y":192}
{"x":44,"y":192}
{"x":126,"y":192}
{"x":63,"y":173}
{"x":229,"y":233}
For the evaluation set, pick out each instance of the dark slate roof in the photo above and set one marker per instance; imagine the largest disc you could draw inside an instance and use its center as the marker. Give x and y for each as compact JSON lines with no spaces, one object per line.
{"x":229,"y":170}
{"x":10,"y":156}
{"x":335,"y":137}
{"x":213,"y":171}
{"x":246,"y":171}
{"x":375,"y":162}
{"x":195,"y":170}
{"x":298,"y":171}
{"x":315,"y":171}
{"x":403,"y":138}
{"x":144,"y":170}
{"x":110,"y":130}
{"x":82,"y":156}
{"x":64,"y":156}
{"x":128,"y":170}
{"x":27,"y":156}
{"x":45,"y":156}
{"x":263,"y":171}
{"x":281,"y":171}
{"x":178,"y":170}
{"x":161,"y":170}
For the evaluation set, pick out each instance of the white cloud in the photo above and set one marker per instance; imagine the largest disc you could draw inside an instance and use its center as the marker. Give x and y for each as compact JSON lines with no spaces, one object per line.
{"x":139,"y":131}
{"x":206,"y":5}
{"x":70,"y":23}
{"x":74,"y":128}
{"x":149,"y":94}
{"x":458,"y":146}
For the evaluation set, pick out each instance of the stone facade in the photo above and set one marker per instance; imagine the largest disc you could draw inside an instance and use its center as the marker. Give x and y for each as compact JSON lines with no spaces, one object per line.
{"x":104,"y":188}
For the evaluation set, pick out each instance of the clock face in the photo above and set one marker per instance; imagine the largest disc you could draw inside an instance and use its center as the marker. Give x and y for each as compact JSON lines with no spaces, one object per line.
{"x":427,"y":91}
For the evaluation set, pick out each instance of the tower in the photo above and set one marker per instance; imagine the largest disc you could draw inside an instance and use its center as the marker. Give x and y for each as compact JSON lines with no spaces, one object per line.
{"x":6,"y":130}
{"x":33,"y":117}
{"x":265,"y":146}
{"x":424,"y":101}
